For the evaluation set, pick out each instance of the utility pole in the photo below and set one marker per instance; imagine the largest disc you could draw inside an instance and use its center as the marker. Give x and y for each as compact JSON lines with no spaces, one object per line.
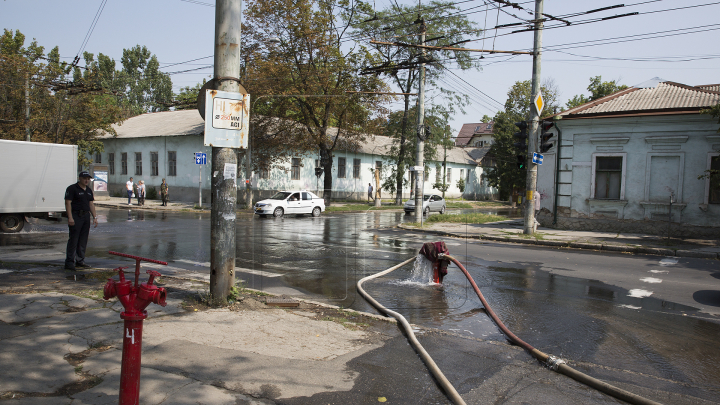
{"x":223,"y":191}
{"x":27,"y":107}
{"x":248,"y":170}
{"x":531,"y":180}
{"x":419,"y":157}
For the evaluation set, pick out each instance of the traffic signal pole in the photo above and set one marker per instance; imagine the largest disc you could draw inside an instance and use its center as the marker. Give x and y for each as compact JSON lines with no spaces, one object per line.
{"x":223,"y":195}
{"x":531,"y":179}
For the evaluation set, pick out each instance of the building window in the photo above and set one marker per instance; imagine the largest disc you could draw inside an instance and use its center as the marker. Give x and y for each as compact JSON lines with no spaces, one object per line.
{"x":378,"y":166}
{"x":356,"y":168}
{"x":608,"y":174}
{"x":341,"y":168}
{"x":438,"y":174}
{"x":295,"y":169}
{"x":467,"y":179}
{"x":714,"y":181}
{"x":462,"y":173}
{"x":264,"y":173}
{"x":138,"y":163}
{"x":111,"y":163}
{"x":449,"y":176}
{"x":98,"y":157}
{"x":154,"y":163}
{"x":123,"y":162}
{"x":172,"y":163}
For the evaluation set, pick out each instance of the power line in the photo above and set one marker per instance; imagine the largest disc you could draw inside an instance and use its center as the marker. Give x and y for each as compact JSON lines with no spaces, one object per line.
{"x":89,"y":33}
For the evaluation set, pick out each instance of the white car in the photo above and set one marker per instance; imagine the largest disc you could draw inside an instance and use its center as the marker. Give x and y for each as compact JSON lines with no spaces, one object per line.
{"x":291,"y":202}
{"x":431,"y":202}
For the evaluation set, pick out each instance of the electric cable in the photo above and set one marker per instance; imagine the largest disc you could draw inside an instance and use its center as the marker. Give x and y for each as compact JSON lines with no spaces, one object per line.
{"x":89,"y":33}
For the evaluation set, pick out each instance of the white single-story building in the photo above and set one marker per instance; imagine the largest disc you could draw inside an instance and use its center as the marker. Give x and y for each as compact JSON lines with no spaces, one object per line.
{"x":160,"y":145}
{"x":633,"y":161}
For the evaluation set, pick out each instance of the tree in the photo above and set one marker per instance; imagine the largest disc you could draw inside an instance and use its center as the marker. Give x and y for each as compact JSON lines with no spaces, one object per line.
{"x":461,"y":186}
{"x":400,"y":63}
{"x":311,"y":63}
{"x":147,"y":89}
{"x":506,"y":175}
{"x":186,"y":99}
{"x":61,"y":111}
{"x":598,"y":89}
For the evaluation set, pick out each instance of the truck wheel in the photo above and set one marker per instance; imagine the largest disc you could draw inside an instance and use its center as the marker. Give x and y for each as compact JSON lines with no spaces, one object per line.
{"x":278,"y":212}
{"x":12,"y":223}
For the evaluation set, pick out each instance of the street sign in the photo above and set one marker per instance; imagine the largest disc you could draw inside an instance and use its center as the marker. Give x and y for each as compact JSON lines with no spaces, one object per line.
{"x":416,"y":169}
{"x":228,"y":118}
{"x":539,"y":103}
{"x":200,"y":158}
{"x":537,"y":158}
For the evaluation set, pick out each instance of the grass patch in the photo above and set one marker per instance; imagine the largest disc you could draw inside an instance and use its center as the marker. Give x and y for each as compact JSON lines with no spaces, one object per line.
{"x":360,"y":207}
{"x":458,"y":205}
{"x":100,"y":275}
{"x":473,"y":218}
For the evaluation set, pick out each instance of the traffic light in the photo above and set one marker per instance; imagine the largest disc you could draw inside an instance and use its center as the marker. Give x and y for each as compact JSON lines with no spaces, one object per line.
{"x":521,"y":145}
{"x":545,"y":136}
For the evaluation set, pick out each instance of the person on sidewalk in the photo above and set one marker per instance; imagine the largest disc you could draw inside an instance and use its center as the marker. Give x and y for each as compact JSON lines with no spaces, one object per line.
{"x":370,"y":190}
{"x":164,"y":193}
{"x":536,"y":208}
{"x":79,"y":206}
{"x":141,"y":192}
{"x":129,"y":187}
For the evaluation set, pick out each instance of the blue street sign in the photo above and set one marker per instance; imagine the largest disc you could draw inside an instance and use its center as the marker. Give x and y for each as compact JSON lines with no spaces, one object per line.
{"x":537,"y":158}
{"x":200,"y":158}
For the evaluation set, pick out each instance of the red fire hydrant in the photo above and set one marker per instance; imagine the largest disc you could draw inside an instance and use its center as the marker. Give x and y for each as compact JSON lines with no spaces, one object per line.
{"x":134,"y":298}
{"x":432,"y":250}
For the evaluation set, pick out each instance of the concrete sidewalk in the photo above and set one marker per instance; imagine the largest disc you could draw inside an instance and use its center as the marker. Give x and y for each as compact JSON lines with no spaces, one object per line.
{"x":122,"y":203}
{"x":512,"y":231}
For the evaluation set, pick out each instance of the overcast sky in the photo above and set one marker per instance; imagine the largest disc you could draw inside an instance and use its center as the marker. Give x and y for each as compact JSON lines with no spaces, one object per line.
{"x":686,"y":48}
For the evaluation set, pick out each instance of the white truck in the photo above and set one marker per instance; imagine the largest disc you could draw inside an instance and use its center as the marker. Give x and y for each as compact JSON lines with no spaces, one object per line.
{"x":33,"y":179}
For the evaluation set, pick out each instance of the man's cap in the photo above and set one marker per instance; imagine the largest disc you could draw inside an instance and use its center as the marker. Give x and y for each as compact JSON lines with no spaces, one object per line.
{"x":85,"y":173}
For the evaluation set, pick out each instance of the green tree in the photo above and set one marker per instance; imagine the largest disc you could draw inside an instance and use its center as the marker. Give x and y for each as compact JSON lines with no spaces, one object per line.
{"x":598,"y":89}
{"x":186,"y":99}
{"x":311,"y":62}
{"x":506,"y":175}
{"x":147,"y":89}
{"x":397,"y":23}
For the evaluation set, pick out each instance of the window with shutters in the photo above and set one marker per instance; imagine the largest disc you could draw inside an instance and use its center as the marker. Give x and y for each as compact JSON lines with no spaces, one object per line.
{"x":341,"y":168}
{"x":608,"y":177}
{"x":123,"y":163}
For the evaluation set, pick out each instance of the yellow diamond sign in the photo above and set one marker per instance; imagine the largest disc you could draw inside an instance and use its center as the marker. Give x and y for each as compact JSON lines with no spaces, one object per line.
{"x":539,"y":103}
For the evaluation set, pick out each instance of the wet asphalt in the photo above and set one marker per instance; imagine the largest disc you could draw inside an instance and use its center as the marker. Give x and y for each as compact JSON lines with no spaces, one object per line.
{"x":554,"y":300}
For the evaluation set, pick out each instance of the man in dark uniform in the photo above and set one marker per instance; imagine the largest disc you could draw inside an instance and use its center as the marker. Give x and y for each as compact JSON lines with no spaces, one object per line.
{"x":79,"y":207}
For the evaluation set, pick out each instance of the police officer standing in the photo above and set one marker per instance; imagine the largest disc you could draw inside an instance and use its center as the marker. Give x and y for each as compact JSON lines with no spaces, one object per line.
{"x":79,"y":207}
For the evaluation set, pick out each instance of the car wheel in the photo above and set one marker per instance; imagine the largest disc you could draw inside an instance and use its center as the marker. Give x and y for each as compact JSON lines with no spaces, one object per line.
{"x":427,"y":211}
{"x":278,"y":212}
{"x":12,"y":223}
{"x":316,"y":211}
{"x":442,"y":210}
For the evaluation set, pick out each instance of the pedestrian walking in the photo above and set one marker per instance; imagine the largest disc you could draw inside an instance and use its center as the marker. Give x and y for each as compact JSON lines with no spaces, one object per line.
{"x":141,"y":192}
{"x":79,"y":207}
{"x":370,"y":190}
{"x":164,"y":193}
{"x":129,"y":187}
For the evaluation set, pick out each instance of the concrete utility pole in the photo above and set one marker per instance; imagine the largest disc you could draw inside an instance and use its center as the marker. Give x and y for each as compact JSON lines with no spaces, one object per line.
{"x":223,"y":191}
{"x":419,"y":157}
{"x":531,"y":181}
{"x":27,"y":108}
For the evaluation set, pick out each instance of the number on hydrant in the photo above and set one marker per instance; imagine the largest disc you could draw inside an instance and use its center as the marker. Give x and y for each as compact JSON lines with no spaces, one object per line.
{"x":132,"y":337}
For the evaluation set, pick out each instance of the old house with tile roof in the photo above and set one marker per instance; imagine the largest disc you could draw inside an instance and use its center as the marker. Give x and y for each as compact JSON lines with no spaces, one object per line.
{"x":630,"y":162}
{"x":162,"y":145}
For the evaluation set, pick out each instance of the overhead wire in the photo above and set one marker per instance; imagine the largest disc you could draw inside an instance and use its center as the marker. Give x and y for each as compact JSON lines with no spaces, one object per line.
{"x":89,"y":33}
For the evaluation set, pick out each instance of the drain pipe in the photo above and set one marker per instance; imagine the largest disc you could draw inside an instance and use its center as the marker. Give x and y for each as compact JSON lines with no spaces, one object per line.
{"x":434,"y":369}
{"x":557,"y":172}
{"x":553,"y":362}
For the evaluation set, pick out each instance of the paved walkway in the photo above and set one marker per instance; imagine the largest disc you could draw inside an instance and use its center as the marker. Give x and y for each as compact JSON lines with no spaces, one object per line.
{"x":512,"y":231}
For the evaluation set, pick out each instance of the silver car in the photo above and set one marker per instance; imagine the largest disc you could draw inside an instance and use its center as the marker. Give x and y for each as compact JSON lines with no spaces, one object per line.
{"x":431,"y":202}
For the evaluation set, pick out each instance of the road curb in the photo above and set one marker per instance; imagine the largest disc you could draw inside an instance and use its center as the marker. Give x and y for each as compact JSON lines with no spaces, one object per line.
{"x":577,"y":245}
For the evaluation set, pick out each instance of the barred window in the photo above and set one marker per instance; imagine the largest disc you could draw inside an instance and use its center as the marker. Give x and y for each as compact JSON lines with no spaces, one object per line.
{"x":123,"y":163}
{"x":295,"y":169}
{"x":341,"y":168}
{"x":172,"y":163}
{"x":356,"y":168}
{"x":98,"y":157}
{"x":154,"y":163}
{"x":714,"y":180}
{"x":111,"y":163}
{"x":138,"y":163}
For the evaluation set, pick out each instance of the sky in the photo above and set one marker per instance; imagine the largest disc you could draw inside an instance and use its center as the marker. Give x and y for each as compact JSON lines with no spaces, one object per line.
{"x":685,"y":47}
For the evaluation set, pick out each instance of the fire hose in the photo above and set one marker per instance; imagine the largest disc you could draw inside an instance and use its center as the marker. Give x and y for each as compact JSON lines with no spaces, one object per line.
{"x":551,"y":362}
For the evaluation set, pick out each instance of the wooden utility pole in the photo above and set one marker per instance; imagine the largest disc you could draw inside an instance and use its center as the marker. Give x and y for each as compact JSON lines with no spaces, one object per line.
{"x":420,"y":153}
{"x":223,"y":191}
{"x":531,"y":180}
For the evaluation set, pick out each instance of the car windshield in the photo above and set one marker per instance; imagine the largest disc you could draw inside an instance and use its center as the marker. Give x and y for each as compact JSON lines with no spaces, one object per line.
{"x":280,"y":196}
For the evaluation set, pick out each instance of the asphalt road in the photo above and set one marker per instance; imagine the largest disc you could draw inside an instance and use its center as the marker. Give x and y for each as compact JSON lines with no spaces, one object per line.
{"x":652,"y":317}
